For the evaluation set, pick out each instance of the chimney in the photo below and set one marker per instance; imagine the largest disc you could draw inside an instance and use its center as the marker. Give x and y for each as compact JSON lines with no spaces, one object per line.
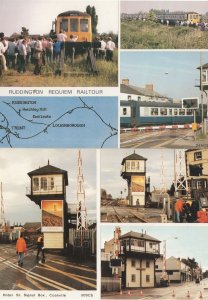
{"x":149,"y":87}
{"x":125,"y":81}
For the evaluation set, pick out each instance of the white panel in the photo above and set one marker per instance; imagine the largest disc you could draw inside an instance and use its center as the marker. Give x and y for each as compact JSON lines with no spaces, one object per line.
{"x":54,"y":240}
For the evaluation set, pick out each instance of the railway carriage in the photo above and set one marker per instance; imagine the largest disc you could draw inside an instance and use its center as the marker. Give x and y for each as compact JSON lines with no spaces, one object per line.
{"x":173,"y":17}
{"x":75,"y":23}
{"x":135,"y":113}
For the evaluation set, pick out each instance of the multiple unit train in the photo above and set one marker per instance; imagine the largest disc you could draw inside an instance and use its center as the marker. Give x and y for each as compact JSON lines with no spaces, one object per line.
{"x":190,"y":17}
{"x":140,"y":113}
{"x":74,"y":23}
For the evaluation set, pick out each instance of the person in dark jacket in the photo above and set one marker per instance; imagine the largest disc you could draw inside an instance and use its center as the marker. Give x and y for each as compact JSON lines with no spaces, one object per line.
{"x":40,"y":248}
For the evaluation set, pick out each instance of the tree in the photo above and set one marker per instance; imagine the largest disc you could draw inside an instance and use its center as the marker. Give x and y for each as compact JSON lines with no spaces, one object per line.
{"x":94,"y":18}
{"x":24,"y":32}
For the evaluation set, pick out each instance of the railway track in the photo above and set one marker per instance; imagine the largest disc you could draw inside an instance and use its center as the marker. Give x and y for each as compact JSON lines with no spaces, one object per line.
{"x":129,"y":217}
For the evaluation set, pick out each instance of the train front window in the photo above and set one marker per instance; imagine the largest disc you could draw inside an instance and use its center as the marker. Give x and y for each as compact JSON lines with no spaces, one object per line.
{"x":74,"y":25}
{"x":84,"y":25}
{"x":64,"y":25}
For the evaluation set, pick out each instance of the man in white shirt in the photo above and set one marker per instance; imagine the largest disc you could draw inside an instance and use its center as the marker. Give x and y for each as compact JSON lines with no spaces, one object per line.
{"x":61,"y":37}
{"x":22,"y":57}
{"x":110,"y":47}
{"x":3,"y":49}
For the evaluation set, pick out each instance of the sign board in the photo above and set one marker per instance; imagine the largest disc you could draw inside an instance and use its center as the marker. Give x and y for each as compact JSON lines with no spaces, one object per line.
{"x":138,"y":185}
{"x":190,"y":103}
{"x":52,"y":215}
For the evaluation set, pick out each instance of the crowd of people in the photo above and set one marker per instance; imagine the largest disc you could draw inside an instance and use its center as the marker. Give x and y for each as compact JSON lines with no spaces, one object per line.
{"x":18,"y":53}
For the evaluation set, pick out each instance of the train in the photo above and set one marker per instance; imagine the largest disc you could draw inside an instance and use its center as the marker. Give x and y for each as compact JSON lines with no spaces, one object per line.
{"x":144,"y":113}
{"x":74,"y":23}
{"x":190,"y":17}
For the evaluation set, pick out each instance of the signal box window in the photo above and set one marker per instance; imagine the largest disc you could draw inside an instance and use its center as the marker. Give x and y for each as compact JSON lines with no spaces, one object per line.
{"x":43,"y":183}
{"x":163,"y":111}
{"x":64,"y":25}
{"x":74,"y":25}
{"x":84,"y":25}
{"x":181,"y":112}
{"x":129,"y":97}
{"x":189,"y":112}
{"x":198,"y":155}
{"x":170,"y":112}
{"x":35,"y":184}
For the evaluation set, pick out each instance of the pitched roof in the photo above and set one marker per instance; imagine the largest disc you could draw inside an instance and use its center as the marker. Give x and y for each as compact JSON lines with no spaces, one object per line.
{"x":137,"y":235}
{"x":131,"y":89}
{"x":205,"y":66}
{"x":47,"y":170}
{"x":133,"y":156}
{"x":34,"y":225}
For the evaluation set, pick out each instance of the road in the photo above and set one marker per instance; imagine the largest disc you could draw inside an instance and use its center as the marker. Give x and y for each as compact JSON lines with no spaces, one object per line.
{"x":175,"y":291}
{"x":57,"y":273}
{"x":168,"y":138}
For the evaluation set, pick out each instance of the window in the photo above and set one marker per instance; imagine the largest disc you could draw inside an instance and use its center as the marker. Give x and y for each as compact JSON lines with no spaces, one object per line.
{"x":133,"y":166}
{"x":74,"y":25}
{"x":43,"y":183}
{"x":51,"y":183}
{"x":141,"y":243}
{"x":163,"y":111}
{"x":84,"y":25}
{"x":189,"y":112}
{"x":175,"y":111}
{"x":128,"y":165}
{"x":35,"y":184}
{"x":147,"y":278}
{"x":124,"y":111}
{"x":64,"y":24}
{"x":154,"y":112}
{"x":129,"y":97}
{"x":139,"y":98}
{"x":199,"y":184}
{"x":147,"y":264}
{"x":181,"y":112}
{"x":204,"y":76}
{"x":133,"y":263}
{"x":198,"y":155}
{"x":133,"y":278}
{"x":170,"y":111}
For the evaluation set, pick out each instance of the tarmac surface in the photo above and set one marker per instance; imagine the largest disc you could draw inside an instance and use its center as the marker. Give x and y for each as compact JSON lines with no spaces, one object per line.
{"x":168,"y":138}
{"x":57,"y":273}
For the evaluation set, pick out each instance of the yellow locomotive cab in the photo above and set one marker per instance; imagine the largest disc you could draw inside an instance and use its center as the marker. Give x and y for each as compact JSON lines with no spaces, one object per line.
{"x":75,"y":23}
{"x":193,"y":17}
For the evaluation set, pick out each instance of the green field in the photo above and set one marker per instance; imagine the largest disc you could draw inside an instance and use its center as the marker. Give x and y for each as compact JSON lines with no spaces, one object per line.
{"x":75,"y":75}
{"x":137,"y":34}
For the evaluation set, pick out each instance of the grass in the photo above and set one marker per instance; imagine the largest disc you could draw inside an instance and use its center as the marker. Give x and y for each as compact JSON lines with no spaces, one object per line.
{"x":74,"y":76}
{"x":150,"y":35}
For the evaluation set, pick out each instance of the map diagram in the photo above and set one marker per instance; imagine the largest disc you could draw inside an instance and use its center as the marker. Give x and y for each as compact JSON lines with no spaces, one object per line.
{"x":60,"y":122}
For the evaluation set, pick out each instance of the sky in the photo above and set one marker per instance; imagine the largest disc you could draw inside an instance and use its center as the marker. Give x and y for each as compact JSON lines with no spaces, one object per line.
{"x":136,"y":6}
{"x":173,"y":73}
{"x":37,"y":16}
{"x":190,"y":242}
{"x":16,"y":163}
{"x":92,"y":133}
{"x":111,"y":160}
